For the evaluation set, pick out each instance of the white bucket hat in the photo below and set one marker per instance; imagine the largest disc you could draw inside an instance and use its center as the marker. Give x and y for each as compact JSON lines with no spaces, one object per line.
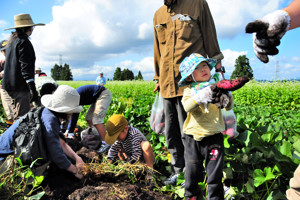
{"x":65,"y":99}
{"x":24,"y":20}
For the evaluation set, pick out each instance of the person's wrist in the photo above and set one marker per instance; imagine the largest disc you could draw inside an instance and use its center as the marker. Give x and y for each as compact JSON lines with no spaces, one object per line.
{"x":221,"y":69}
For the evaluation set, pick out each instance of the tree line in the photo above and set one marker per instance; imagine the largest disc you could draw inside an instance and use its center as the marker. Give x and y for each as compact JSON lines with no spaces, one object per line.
{"x":59,"y":72}
{"x":126,"y":74}
{"x":63,"y":73}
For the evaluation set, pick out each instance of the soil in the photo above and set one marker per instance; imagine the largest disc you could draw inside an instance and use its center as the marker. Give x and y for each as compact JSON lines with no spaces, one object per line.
{"x":60,"y":184}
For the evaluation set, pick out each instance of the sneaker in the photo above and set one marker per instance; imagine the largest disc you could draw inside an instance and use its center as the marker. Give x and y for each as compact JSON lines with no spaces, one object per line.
{"x":172,"y":180}
{"x":104,"y":148}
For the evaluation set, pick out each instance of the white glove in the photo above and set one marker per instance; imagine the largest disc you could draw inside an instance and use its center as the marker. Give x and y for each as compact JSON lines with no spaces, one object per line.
{"x":203,"y":96}
{"x":267,"y":33}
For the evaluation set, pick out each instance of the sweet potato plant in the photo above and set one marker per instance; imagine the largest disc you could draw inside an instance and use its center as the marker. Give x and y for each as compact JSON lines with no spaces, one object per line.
{"x":258,"y":163}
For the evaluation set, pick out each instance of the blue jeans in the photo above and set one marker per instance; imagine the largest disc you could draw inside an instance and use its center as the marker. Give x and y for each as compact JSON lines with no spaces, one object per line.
{"x":210,"y":150}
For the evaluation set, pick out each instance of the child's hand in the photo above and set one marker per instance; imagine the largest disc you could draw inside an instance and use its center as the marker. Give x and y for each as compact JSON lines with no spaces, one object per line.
{"x":203,"y":96}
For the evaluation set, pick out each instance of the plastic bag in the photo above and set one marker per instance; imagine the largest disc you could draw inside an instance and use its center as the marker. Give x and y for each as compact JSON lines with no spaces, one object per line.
{"x":230,"y":123}
{"x":90,"y":138}
{"x":157,"y":118}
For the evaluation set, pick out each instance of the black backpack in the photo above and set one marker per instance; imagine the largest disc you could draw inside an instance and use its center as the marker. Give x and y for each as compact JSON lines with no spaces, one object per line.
{"x":28,"y":139}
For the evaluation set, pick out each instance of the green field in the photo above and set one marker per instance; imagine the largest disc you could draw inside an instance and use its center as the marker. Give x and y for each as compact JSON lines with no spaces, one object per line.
{"x":259,"y":162}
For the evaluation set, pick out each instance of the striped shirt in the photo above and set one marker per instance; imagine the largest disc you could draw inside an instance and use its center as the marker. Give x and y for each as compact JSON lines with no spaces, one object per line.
{"x":131,"y":146}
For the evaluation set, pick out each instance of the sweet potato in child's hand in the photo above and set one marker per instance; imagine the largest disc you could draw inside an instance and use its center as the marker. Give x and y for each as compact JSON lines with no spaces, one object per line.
{"x":232,"y":85}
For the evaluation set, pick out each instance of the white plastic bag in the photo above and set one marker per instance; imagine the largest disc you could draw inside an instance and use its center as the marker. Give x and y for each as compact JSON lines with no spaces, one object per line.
{"x":230,"y":123}
{"x":157,"y":118}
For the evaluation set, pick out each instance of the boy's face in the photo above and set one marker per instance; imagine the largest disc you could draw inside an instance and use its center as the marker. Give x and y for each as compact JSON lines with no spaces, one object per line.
{"x":123,"y":134}
{"x":202,"y":72}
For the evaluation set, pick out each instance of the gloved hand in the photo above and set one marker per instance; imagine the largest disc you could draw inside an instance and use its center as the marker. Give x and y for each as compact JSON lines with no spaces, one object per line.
{"x":33,"y":93}
{"x":203,"y":96}
{"x":267,"y":33}
{"x":220,"y":97}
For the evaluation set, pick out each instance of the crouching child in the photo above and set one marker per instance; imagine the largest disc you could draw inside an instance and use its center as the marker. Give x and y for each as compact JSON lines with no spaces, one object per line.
{"x":128,"y":143}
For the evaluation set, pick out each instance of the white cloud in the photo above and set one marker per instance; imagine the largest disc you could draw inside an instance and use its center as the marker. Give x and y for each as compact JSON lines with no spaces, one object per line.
{"x":229,"y":59}
{"x":86,"y":32}
{"x":145,"y":31}
{"x":231,"y":16}
{"x":3,"y":24}
{"x":99,"y":35}
{"x":297,"y":59}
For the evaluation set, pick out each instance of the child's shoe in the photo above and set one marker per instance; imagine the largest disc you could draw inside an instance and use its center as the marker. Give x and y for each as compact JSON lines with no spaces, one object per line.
{"x":172,"y":180}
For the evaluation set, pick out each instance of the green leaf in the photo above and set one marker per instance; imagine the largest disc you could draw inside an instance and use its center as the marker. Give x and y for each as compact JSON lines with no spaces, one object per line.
{"x":37,"y":196}
{"x":269,"y":174}
{"x":161,"y":138}
{"x":158,"y":146}
{"x":38,"y":180}
{"x":29,"y":174}
{"x":296,"y":145}
{"x":227,"y":173}
{"x":259,"y":177}
{"x":250,"y":186}
{"x":180,"y":178}
{"x":202,"y":186}
{"x":266,"y":137}
{"x":226,"y":143}
{"x":180,"y":192}
{"x":286,"y":149}
{"x":19,"y":161}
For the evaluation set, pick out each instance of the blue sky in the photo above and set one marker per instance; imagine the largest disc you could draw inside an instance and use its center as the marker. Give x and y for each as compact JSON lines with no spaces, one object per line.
{"x":100,"y":35}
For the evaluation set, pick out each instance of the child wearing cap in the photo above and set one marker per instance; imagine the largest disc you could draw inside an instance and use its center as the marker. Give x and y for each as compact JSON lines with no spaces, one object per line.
{"x":128,"y":138}
{"x":203,"y":129}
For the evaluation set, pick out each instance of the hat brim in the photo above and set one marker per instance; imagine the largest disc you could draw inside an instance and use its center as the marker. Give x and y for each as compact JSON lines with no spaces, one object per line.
{"x":111,"y":139}
{"x":47,"y":101}
{"x":23,"y":26}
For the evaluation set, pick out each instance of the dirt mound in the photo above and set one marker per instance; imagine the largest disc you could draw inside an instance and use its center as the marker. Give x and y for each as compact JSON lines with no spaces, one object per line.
{"x":60,"y":184}
{"x":113,"y":191}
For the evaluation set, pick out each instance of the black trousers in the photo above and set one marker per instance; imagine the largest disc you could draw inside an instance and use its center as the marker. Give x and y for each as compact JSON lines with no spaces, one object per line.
{"x":174,"y":119}
{"x":210,"y":150}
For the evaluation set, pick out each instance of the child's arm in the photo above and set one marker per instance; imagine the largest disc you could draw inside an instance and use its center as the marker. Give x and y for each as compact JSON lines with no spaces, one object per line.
{"x":113,"y":151}
{"x":191,"y":102}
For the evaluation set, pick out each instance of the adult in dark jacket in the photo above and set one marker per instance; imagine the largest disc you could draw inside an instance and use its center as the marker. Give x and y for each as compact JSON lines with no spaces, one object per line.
{"x":18,"y":79}
{"x":59,"y":106}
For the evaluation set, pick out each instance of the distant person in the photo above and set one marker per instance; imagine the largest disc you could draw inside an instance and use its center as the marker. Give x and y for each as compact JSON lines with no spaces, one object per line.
{"x":268,"y":31}
{"x":99,"y":99}
{"x":101,"y":80}
{"x":5,"y":98}
{"x":42,"y":80}
{"x":38,"y":72}
{"x":18,"y":78}
{"x":58,"y":107}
